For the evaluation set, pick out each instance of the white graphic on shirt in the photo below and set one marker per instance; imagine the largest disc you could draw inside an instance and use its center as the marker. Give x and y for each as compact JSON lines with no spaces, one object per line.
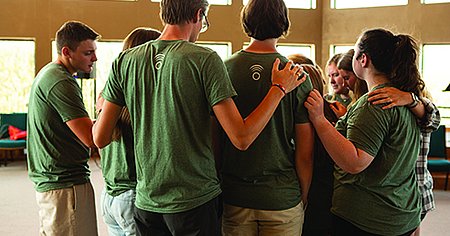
{"x":256,"y":70}
{"x":159,"y":58}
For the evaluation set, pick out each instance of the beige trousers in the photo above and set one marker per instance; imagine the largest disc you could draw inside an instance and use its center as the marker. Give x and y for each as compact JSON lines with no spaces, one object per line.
{"x":68,"y":211}
{"x":238,"y":221}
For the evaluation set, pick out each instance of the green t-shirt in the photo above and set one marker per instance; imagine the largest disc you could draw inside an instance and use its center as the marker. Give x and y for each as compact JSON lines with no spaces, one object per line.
{"x":384,"y":198}
{"x":169,"y":88}
{"x":57,"y":158}
{"x":338,"y":98}
{"x":118,"y":164}
{"x":263,"y":176}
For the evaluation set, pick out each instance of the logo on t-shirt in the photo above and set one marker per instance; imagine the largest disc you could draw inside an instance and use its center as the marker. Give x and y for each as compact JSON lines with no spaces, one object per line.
{"x":159,"y":58}
{"x":256,"y":70}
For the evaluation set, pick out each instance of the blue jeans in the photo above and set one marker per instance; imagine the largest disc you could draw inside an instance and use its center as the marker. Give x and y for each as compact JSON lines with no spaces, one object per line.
{"x":118,"y":213}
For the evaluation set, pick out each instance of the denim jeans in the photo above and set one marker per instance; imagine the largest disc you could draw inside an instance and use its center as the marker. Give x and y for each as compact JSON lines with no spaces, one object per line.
{"x":118,"y":213}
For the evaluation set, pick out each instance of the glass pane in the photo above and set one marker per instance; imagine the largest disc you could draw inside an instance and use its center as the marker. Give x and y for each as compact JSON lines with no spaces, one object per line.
{"x":288,"y":49}
{"x":437,"y":77}
{"x":304,"y":4}
{"x":434,"y":1}
{"x":340,"y":4}
{"x":222,"y":49}
{"x":17,"y":74}
{"x":307,"y":50}
{"x":334,"y":49}
{"x":106,"y":54}
{"x":212,"y":2}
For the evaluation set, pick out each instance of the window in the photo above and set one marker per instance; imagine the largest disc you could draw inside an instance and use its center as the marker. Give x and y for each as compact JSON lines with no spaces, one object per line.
{"x":16,"y":73}
{"x":437,"y":77}
{"x":342,"y":4}
{"x":287,"y":49}
{"x":222,"y":49}
{"x":334,"y":49}
{"x":106,"y":54}
{"x":307,"y":50}
{"x":433,"y":1}
{"x":211,"y":2}
{"x":304,"y":4}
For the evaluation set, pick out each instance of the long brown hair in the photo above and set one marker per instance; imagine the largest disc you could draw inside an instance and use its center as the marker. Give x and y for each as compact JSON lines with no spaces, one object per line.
{"x":395,"y":56}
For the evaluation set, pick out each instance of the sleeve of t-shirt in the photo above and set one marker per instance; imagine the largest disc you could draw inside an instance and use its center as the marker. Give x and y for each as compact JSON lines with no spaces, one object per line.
{"x":66,"y":98}
{"x":113,"y":91}
{"x":217,"y":83}
{"x":368,"y":127}
{"x":302,"y":93}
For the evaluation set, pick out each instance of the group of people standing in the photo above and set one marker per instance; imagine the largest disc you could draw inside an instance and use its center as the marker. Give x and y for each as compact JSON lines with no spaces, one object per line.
{"x":192,"y":145}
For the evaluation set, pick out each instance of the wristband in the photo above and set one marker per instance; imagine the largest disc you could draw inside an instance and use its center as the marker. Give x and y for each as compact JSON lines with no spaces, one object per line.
{"x":283,"y":89}
{"x":415,"y":101}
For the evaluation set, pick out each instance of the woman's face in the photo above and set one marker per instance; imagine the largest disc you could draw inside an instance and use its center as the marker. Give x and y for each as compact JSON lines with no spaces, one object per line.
{"x":336,"y":81}
{"x":349,"y":78}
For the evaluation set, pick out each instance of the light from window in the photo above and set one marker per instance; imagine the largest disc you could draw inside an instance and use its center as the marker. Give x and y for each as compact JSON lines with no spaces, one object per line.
{"x":303,"y":4}
{"x":335,"y":49}
{"x":304,"y":49}
{"x":212,"y":2}
{"x":433,"y":1}
{"x":342,"y":4}
{"x":16,"y":73}
{"x":106,"y":53}
{"x":286,"y":49}
{"x":437,"y":77}
{"x":222,"y":49}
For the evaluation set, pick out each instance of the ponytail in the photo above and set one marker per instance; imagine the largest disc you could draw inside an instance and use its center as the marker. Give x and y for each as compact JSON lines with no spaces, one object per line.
{"x":405,"y":74}
{"x":395,"y":56}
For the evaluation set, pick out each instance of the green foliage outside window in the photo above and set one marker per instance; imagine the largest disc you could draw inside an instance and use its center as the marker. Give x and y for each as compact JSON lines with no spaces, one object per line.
{"x":16,"y":74}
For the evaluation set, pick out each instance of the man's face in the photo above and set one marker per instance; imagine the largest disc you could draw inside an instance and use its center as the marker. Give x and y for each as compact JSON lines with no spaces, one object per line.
{"x":83,"y":58}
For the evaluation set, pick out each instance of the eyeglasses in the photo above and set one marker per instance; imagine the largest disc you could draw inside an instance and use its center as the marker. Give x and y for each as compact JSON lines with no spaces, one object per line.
{"x":205,"y":23}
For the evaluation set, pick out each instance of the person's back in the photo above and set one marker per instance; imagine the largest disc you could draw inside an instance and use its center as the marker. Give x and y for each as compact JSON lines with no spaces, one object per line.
{"x":118,"y":160}
{"x":244,"y":178}
{"x":265,"y":187}
{"x":172,"y":87}
{"x":168,"y":100}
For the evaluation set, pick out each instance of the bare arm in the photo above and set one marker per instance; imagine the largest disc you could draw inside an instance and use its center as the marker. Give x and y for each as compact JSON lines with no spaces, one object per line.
{"x":106,"y":121}
{"x":304,"y":148}
{"x":341,"y":150}
{"x":242,"y":132}
{"x":82,"y":128}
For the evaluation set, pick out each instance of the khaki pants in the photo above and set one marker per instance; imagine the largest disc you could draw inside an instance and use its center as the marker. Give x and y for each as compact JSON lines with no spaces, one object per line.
{"x":68,"y":211}
{"x":238,"y":221}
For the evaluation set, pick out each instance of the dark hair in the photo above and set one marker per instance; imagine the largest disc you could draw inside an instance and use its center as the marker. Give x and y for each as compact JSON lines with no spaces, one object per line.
{"x":175,"y":12}
{"x":394,"y":56}
{"x":72,"y":33}
{"x":136,"y":37}
{"x":265,"y":19}
{"x":139,"y":36}
{"x":334,"y":59}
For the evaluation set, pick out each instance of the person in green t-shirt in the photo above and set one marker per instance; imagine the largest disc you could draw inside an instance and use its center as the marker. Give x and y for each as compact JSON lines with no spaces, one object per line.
{"x":340,"y":90}
{"x":117,"y":159}
{"x":375,"y":189}
{"x":265,"y":188}
{"x":60,"y":135}
{"x":171,"y":88}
